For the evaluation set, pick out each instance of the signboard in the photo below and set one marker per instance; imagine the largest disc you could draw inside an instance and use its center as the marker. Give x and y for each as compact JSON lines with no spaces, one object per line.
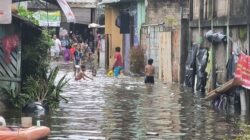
{"x":242,"y":71}
{"x":67,"y":11}
{"x":52,"y":19}
{"x":5,"y":12}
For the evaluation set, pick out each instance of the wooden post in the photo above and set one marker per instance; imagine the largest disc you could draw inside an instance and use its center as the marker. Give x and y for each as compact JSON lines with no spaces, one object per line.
{"x":248,"y":27}
{"x":180,"y":44}
{"x":243,"y":104}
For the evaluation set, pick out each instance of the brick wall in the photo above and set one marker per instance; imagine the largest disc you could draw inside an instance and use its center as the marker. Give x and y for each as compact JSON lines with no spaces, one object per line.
{"x":167,"y":11}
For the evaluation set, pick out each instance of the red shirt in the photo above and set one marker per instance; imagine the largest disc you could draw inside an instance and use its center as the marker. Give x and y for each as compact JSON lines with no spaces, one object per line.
{"x":72,"y":50}
{"x":118,"y":58}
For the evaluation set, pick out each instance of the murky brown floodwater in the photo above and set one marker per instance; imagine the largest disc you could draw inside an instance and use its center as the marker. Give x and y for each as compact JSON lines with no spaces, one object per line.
{"x":125,"y":109}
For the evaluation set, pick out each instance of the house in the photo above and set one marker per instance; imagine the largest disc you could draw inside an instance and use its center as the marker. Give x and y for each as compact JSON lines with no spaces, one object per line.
{"x":13,"y":36}
{"x":10,"y":54}
{"x":123,"y":20}
{"x":164,"y":38}
{"x":228,"y":17}
{"x":85,"y":13}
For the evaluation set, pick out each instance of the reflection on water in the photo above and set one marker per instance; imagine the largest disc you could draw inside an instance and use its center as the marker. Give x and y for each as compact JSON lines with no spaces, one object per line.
{"x":126,"y":109}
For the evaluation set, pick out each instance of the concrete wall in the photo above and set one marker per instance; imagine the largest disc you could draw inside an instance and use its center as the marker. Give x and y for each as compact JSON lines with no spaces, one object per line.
{"x":238,"y":8}
{"x":219,"y":8}
{"x":167,"y":11}
{"x":110,"y":28}
{"x":170,"y":13}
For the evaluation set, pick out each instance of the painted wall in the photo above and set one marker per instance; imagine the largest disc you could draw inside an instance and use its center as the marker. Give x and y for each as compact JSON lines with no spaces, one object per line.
{"x":110,"y":28}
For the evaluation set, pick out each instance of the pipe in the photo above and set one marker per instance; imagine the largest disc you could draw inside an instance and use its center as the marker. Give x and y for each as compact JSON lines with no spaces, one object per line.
{"x":147,"y":25}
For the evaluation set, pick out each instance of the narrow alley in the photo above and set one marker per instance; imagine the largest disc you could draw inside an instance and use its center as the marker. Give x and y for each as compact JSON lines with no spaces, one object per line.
{"x":124,"y":69}
{"x":125,"y":109}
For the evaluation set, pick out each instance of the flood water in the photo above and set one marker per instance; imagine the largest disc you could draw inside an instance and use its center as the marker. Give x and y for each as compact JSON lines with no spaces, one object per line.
{"x":126,"y":109}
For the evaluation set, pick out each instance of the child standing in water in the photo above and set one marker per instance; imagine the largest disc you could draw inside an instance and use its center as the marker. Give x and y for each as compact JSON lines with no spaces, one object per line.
{"x":81,"y":74}
{"x":149,"y":72}
{"x":77,"y":59}
{"x":118,"y":62}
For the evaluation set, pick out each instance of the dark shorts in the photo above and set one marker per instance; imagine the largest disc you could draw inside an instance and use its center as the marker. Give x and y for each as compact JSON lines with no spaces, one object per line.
{"x":149,"y":79}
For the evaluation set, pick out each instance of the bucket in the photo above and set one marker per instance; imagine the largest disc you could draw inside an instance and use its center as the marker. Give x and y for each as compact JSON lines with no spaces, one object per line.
{"x":26,"y":121}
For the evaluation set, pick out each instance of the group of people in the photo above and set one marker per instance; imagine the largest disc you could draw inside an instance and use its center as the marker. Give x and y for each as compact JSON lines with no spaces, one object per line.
{"x":83,"y":54}
{"x":73,"y":48}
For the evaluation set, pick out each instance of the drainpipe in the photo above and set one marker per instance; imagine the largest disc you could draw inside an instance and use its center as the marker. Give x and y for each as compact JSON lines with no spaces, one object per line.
{"x":180,"y":42}
{"x":228,"y":19}
{"x":213,"y":69}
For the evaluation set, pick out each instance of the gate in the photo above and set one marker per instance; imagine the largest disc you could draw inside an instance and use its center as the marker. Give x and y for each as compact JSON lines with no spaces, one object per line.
{"x":161,"y":44}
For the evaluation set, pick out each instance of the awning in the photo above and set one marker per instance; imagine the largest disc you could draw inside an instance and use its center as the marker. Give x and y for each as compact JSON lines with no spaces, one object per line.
{"x":64,"y":6}
{"x":25,"y":21}
{"x":95,"y":25}
{"x":82,"y":3}
{"x":67,"y":11}
{"x":108,"y":1}
{"x":50,"y":1}
{"x":82,"y":16}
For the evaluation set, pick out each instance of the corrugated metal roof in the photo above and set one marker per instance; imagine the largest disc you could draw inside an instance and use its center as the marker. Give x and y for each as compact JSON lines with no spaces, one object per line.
{"x":82,"y":3}
{"x":109,"y":1}
{"x":115,"y":1}
{"x":50,"y":1}
{"x":82,"y":15}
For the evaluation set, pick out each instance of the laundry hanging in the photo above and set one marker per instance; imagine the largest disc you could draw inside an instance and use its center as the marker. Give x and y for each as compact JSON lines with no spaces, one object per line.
{"x":124,"y":22}
{"x":10,"y":43}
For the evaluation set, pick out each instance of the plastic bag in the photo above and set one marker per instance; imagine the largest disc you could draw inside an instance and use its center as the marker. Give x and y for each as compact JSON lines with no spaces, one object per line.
{"x":110,"y":73}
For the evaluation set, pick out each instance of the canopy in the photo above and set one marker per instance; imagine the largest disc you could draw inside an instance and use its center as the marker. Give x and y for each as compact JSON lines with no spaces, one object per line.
{"x":95,"y":25}
{"x":64,"y":7}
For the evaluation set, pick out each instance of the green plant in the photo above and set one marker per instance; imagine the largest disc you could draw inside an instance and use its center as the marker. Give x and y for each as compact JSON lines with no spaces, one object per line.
{"x":45,"y":89}
{"x":16,"y":100}
{"x":137,"y":59}
{"x":27,"y":14}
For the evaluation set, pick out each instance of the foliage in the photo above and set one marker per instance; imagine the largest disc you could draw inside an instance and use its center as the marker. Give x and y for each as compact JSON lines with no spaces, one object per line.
{"x":36,"y":82}
{"x":16,"y":100}
{"x":44,"y":89}
{"x":52,"y":31}
{"x":27,"y":14}
{"x":34,"y":56}
{"x":40,"y":89}
{"x":137,"y":59}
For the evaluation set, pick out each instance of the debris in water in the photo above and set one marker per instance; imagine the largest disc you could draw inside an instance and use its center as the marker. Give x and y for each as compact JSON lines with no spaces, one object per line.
{"x":172,"y":94}
{"x":152,"y":133}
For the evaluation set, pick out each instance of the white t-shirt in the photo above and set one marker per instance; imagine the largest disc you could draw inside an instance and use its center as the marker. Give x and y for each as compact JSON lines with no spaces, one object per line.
{"x":57,"y":45}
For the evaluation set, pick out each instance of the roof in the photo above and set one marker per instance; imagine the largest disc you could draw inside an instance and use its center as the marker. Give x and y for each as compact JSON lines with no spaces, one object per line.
{"x":41,"y":5}
{"x":115,"y":1}
{"x":25,"y":21}
{"x":50,"y":1}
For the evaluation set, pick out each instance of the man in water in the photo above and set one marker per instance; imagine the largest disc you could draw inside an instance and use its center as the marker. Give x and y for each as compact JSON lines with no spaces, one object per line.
{"x":149,"y":72}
